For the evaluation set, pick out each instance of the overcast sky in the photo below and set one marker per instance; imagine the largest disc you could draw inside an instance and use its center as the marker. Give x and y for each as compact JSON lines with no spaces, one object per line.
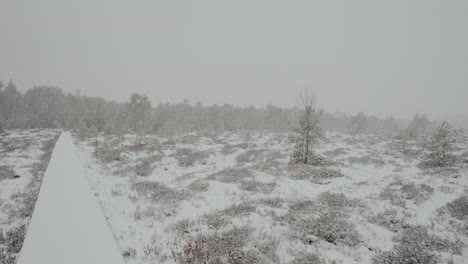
{"x":392,"y":58}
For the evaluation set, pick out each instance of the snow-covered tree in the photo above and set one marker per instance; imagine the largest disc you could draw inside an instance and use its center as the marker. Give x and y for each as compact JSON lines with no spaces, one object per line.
{"x":419,"y":126}
{"x":308,"y":131}
{"x":359,"y":123}
{"x":10,"y":104}
{"x":139,"y":111}
{"x":44,"y":106}
{"x":441,"y":146}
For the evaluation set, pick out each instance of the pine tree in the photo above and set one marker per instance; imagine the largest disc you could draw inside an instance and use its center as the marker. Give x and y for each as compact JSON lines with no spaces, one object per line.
{"x":419,"y":126}
{"x":138,"y":112}
{"x":441,"y":146}
{"x":359,"y":123}
{"x":308,"y":131}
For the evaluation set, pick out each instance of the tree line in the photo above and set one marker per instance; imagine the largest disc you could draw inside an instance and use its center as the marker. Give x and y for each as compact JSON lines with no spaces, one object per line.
{"x":50,"y":107}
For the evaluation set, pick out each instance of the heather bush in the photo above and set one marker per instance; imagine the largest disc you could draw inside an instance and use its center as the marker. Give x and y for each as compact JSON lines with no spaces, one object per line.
{"x":398,"y":192}
{"x":330,"y":226}
{"x":416,"y":245}
{"x":388,"y":219}
{"x":198,"y":186}
{"x":145,"y":167}
{"x":308,"y":258}
{"x":250,"y":155}
{"x":158,"y":192}
{"x":337,"y":201}
{"x":458,"y":208}
{"x":129,"y":252}
{"x":11,"y":242}
{"x":187,"y":157}
{"x":319,"y":175}
{"x":256,"y":186}
{"x":6,"y":172}
{"x":232,"y":175}
{"x":231,"y":148}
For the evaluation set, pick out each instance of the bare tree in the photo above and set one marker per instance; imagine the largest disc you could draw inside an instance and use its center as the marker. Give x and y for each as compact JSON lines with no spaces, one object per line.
{"x":308,"y":131}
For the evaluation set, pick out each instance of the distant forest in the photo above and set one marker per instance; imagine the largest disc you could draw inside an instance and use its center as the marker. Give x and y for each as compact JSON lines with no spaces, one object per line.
{"x":50,"y":107}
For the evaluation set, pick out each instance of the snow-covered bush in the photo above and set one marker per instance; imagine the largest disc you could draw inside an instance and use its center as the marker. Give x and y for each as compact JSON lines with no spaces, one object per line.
{"x":232,"y":175}
{"x":106,"y":153}
{"x":215,"y":220}
{"x":459,"y":208}
{"x":336,"y":201}
{"x":399,"y":192}
{"x":129,"y":252}
{"x":416,"y":245}
{"x":256,"y":186}
{"x":219,"y":218}
{"x":408,"y":252}
{"x":195,"y":253}
{"x":241,"y":209}
{"x":388,"y":219}
{"x":220,"y":247}
{"x":158,"y":192}
{"x":231,"y":148}
{"x":13,"y":144}
{"x":26,"y":202}
{"x":308,"y":258}
{"x":315,"y":174}
{"x":198,"y":186}
{"x":187,"y":157}
{"x":11,"y":242}
{"x":464,"y":157}
{"x":145,"y":167}
{"x":6,"y":172}
{"x":273,"y":202}
{"x":250,"y":155}
{"x":182,"y":227}
{"x":331,"y":226}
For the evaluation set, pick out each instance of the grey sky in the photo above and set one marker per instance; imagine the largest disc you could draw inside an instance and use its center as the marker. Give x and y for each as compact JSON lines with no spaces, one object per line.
{"x":391,"y":58}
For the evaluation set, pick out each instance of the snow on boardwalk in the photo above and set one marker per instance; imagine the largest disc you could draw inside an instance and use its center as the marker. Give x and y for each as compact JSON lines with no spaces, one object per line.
{"x":67,"y":225}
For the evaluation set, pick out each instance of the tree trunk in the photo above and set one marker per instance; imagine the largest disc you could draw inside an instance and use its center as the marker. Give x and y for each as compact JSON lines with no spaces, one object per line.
{"x":306,"y":134}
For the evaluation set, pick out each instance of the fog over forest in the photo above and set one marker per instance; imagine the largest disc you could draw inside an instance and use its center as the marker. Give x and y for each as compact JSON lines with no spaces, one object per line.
{"x":50,"y":107}
{"x":383,"y":59}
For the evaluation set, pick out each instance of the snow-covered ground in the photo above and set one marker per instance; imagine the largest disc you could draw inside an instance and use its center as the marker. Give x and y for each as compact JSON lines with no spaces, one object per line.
{"x":233,"y":198}
{"x":24,"y":155}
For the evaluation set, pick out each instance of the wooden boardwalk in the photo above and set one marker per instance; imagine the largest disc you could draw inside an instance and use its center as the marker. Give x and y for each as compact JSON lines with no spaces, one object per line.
{"x":67,"y":226}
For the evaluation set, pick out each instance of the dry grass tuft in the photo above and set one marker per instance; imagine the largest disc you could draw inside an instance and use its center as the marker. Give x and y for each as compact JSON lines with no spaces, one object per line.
{"x":234,"y":175}
{"x":256,"y":186}
{"x":159,"y":193}
{"x":319,"y":175}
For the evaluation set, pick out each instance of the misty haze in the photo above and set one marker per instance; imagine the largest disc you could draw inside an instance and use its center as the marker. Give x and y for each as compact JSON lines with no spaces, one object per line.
{"x":216,"y":132}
